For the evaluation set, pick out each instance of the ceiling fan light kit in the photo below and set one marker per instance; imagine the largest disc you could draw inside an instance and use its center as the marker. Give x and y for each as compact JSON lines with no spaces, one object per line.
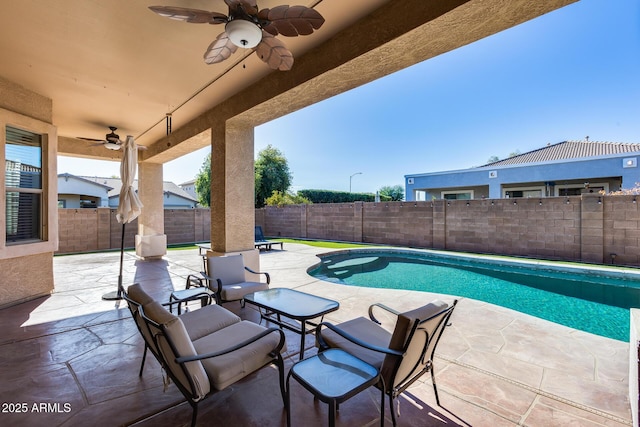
{"x":243,"y":33}
{"x":111,"y":145}
{"x":247,"y":27}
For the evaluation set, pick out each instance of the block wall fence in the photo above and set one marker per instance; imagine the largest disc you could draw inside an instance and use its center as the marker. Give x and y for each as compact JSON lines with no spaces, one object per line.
{"x":588,"y":228}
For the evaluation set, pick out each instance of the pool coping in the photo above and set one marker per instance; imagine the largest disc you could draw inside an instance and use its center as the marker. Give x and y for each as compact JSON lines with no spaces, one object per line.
{"x":620,"y":272}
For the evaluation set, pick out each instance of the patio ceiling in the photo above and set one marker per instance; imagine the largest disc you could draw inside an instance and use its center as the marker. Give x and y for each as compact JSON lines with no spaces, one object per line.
{"x":117,"y":63}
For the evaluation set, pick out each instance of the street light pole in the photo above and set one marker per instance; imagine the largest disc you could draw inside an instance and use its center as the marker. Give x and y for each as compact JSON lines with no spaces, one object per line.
{"x":351,"y":177}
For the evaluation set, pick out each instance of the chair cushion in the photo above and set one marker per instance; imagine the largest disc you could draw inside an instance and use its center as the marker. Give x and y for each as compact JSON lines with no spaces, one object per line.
{"x":183,"y":346}
{"x":229,"y":269}
{"x":207,"y":320}
{"x":136,"y":293}
{"x":414,"y":357}
{"x":226,"y":369}
{"x":405,"y":322}
{"x":365,"y":330}
{"x":237,"y":291}
{"x":156,"y":312}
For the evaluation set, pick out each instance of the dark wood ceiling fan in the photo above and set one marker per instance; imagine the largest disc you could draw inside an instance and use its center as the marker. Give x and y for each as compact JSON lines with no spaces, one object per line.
{"x":247,"y":27}
{"x":111,"y":140}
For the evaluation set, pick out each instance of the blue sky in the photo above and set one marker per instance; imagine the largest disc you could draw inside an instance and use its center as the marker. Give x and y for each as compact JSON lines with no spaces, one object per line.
{"x":569,"y":74}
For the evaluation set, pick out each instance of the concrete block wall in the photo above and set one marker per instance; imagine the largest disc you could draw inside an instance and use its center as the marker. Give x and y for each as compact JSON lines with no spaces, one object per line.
{"x":621,"y":229}
{"x":78,"y":230}
{"x":89,"y":230}
{"x":179,"y":226}
{"x":587,"y":228}
{"x":544,"y":228}
{"x":401,"y":224}
{"x":332,"y":221}
{"x":287,"y":221}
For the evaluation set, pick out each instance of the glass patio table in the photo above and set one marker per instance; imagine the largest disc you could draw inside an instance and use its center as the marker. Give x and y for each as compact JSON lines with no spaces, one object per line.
{"x":295,"y":305}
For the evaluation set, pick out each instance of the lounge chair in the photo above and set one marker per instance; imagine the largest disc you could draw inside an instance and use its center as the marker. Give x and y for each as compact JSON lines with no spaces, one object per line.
{"x":226,"y":277}
{"x":401,"y":357}
{"x":261,"y":242}
{"x":206,"y":350}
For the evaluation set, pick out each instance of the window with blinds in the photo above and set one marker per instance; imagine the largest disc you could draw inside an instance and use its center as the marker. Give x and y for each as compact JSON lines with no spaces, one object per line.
{"x":23,"y":186}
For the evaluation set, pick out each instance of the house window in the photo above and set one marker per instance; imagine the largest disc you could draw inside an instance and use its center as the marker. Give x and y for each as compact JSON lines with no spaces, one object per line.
{"x":23,"y":186}
{"x":457,"y":195}
{"x":578,"y":189}
{"x":526,"y":192}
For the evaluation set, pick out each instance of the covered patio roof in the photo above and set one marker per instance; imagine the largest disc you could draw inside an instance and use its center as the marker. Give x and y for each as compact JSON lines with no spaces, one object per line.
{"x":119,"y":64}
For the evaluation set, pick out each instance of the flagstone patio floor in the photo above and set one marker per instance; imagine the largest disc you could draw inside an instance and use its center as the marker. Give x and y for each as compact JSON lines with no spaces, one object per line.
{"x":72,"y":359}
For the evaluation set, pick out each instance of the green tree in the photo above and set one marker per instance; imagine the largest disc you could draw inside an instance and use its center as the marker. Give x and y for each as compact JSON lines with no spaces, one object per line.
{"x":493,"y":159}
{"x":395,"y":193}
{"x":203,"y":182}
{"x":278,"y":198}
{"x":271,"y":174}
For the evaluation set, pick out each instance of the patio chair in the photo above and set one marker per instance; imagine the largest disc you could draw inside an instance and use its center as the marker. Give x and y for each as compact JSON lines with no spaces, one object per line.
{"x":226,"y":278}
{"x":261,"y":242}
{"x":201,"y":367}
{"x":198,"y":323}
{"x":402,"y":356}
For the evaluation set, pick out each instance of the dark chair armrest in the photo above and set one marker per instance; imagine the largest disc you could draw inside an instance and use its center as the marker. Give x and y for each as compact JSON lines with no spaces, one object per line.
{"x":244,"y":343}
{"x":382,"y":306}
{"x":213,"y":283}
{"x":200,"y":295}
{"x":258,"y":273}
{"x":323,"y":344}
{"x":195,"y":281}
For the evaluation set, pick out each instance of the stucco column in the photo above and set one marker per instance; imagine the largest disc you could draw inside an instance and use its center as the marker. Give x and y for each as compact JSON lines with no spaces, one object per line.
{"x":232,"y":191}
{"x":151,"y":242}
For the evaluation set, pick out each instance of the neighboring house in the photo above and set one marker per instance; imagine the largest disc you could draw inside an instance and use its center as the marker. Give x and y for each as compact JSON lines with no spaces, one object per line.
{"x":81,"y":192}
{"x":564,"y":169}
{"x":190,"y":188}
{"x":85,"y":192}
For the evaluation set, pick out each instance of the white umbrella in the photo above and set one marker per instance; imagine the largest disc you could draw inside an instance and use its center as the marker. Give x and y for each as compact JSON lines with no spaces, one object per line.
{"x":129,"y":205}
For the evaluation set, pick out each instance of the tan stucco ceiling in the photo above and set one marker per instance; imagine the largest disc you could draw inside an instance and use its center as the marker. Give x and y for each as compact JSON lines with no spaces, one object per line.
{"x":117,"y":63}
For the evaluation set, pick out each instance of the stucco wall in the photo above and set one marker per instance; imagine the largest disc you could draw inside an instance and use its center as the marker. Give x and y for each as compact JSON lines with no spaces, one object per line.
{"x":27,"y":269}
{"x":25,"y":278}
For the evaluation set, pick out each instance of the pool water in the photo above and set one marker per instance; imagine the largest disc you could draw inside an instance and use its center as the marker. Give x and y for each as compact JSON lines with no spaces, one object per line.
{"x":594,"y":301}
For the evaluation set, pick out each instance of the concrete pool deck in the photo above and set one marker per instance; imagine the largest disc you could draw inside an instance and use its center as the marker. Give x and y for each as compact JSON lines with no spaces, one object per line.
{"x":494,"y":366}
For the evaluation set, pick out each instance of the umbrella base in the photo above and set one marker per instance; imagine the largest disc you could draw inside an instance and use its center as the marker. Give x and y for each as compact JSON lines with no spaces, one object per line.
{"x":112,"y":296}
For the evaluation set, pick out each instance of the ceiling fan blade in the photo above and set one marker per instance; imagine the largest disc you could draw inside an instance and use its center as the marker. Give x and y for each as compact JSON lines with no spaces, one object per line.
{"x":220,"y":49}
{"x":249,"y":6}
{"x":274,"y":53}
{"x":90,"y":139}
{"x":291,"y":21}
{"x":194,"y":16}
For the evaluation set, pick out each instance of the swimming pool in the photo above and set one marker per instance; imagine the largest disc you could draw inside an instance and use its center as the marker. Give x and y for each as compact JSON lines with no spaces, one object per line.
{"x":594,"y":299}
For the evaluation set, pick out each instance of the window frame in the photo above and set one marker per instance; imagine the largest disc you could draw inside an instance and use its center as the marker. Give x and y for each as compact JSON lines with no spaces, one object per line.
{"x":539,"y":188}
{"x":48,"y":214}
{"x":471,"y":194}
{"x":579,"y":186}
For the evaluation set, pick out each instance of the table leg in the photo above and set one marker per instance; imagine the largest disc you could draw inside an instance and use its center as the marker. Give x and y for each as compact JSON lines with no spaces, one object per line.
{"x":332,"y":413}
{"x":303,"y":330}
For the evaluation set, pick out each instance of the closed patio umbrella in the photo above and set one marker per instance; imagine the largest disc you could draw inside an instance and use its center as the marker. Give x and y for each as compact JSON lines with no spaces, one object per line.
{"x":129,"y":205}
